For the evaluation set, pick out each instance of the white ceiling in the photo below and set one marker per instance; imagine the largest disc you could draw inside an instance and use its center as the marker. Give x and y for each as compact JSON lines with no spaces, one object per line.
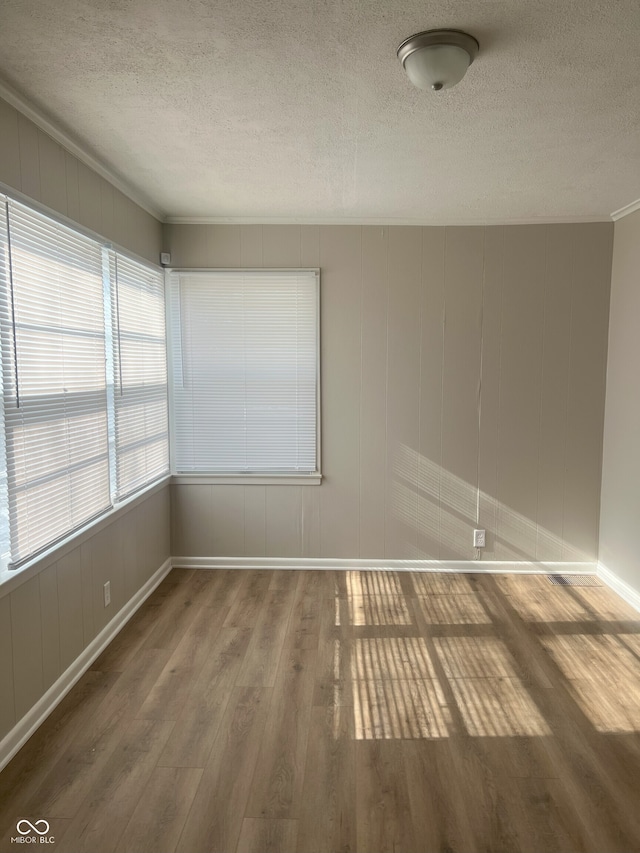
{"x":299,"y":109}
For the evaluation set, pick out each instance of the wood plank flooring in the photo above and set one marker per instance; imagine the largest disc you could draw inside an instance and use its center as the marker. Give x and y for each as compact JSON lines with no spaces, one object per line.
{"x":364,"y":712}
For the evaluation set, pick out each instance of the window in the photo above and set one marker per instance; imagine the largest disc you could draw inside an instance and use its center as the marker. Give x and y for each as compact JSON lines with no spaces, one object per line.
{"x":78,"y":434}
{"x":245,"y":371}
{"x":140,"y":368}
{"x":55,"y":396}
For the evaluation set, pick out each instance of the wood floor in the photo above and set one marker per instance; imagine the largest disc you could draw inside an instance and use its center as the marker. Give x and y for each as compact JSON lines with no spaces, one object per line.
{"x":256,"y":711}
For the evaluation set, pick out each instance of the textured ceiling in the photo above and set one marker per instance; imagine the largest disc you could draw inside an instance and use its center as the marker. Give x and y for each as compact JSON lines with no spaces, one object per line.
{"x":299,"y":109}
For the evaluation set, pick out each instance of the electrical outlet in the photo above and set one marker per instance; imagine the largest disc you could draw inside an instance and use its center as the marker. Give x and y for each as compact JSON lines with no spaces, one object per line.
{"x":107,"y":593}
{"x":479,"y":538}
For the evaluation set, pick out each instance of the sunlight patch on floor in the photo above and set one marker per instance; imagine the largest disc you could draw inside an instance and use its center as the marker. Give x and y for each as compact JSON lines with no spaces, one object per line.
{"x":497,"y":707}
{"x":400,"y":709}
{"x":378,"y":610}
{"x":453,"y":610}
{"x":393,"y":658}
{"x":475,"y":657}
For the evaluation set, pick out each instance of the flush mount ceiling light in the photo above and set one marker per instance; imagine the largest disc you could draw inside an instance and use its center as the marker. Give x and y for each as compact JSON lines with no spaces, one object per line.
{"x":437,"y":59}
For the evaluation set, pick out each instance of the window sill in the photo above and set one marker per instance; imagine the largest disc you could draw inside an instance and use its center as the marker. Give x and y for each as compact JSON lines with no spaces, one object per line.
{"x":10,"y":579}
{"x":246,"y":480}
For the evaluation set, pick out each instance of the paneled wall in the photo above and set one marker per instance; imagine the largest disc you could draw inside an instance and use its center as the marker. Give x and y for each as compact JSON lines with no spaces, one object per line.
{"x":48,"y":620}
{"x":463,"y":374}
{"x":621,"y":458}
{"x":34,"y":164}
{"x":53,"y":610}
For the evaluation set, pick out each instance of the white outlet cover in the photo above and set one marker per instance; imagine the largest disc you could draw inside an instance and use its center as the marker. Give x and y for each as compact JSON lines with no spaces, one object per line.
{"x":479,"y":538}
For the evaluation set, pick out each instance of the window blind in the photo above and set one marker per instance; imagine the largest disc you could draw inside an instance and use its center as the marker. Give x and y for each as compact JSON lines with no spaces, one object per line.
{"x":5,"y":544}
{"x":54,"y":382}
{"x":245,"y":371}
{"x":140,"y":368}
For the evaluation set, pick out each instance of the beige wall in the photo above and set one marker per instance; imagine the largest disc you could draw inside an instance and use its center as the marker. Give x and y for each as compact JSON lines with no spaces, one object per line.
{"x":34,"y":164}
{"x":463,"y":376}
{"x":50,"y":618}
{"x":620,"y":514}
{"x":51,"y":613}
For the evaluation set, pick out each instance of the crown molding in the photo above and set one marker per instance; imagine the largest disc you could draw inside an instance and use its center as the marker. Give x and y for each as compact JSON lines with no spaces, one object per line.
{"x":626,"y":210}
{"x":388,"y":221}
{"x":75,"y":147}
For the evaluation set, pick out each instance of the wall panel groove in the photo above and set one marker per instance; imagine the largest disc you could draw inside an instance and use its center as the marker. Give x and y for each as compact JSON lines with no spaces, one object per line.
{"x":463,"y":385}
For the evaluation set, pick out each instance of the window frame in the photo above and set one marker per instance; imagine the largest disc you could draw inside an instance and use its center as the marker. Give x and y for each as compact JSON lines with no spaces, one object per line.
{"x":138,"y":394}
{"x":224,"y":479}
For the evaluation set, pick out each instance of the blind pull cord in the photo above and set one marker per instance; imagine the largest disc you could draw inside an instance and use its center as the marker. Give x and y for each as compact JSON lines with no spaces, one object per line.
{"x":117,"y":292}
{"x":13,"y":308}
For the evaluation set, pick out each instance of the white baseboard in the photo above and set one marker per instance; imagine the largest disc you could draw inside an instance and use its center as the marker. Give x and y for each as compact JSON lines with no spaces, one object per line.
{"x":489,"y":566}
{"x":622,"y":588}
{"x":25,"y":727}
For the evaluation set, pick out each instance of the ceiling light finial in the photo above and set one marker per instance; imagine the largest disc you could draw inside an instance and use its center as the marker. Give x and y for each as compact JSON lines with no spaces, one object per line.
{"x":437,"y":59}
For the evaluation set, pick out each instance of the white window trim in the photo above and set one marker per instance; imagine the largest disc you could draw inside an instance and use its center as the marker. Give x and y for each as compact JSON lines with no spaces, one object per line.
{"x":12,"y":578}
{"x":232,"y":479}
{"x":246,"y":480}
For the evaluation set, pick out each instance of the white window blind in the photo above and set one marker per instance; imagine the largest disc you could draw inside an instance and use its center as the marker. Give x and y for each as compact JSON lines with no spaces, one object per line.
{"x":140,"y":367}
{"x":54,"y":382}
{"x":5,"y":544}
{"x":245,"y":371}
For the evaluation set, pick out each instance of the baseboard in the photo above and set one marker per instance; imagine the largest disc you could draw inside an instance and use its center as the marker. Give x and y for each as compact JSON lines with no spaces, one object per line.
{"x":622,"y":588}
{"x":25,"y":727}
{"x":489,"y":566}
